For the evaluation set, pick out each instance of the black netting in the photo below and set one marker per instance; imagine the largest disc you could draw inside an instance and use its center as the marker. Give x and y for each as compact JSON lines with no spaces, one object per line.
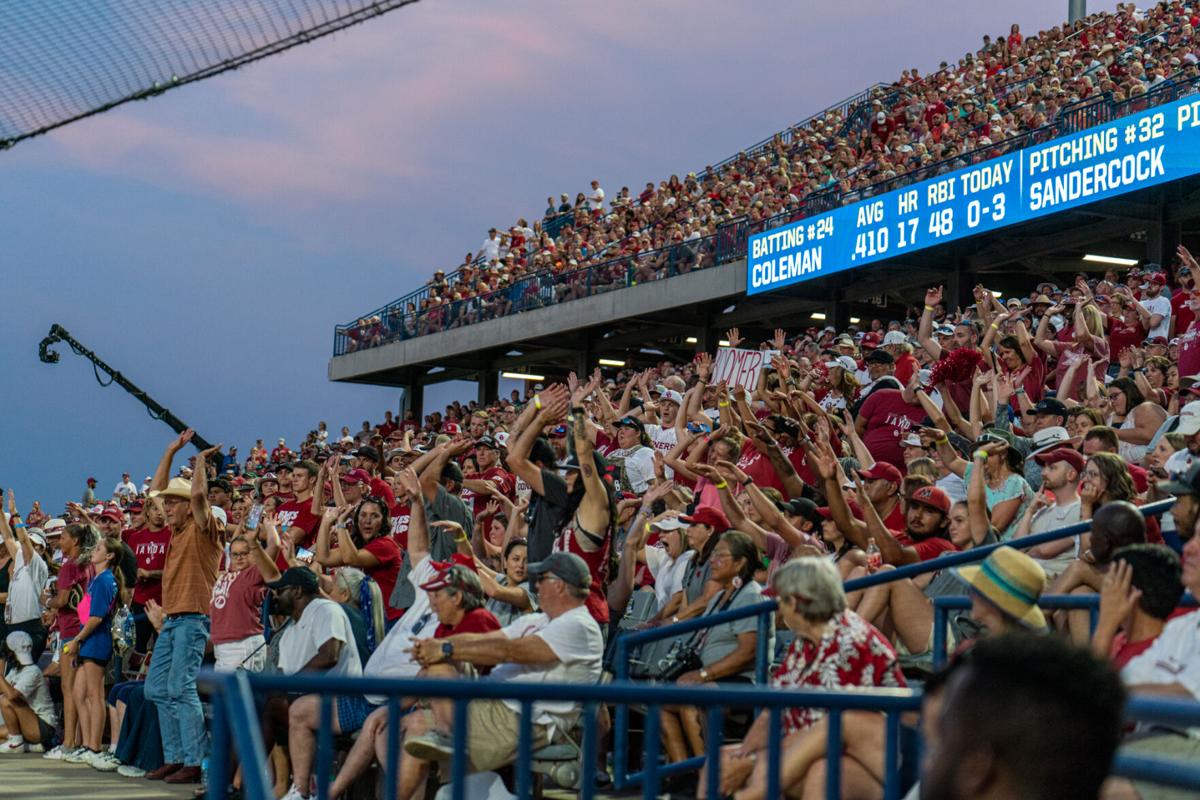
{"x":62,"y":61}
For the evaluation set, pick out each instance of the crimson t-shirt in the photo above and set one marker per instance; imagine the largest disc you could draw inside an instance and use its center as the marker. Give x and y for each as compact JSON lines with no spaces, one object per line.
{"x":150,"y":549}
{"x":73,"y":578}
{"x":1189,"y":350}
{"x":298,"y":514}
{"x":1181,"y":314}
{"x":504,"y":481}
{"x":927,"y":548}
{"x":236,"y":608}
{"x":401,"y":516}
{"x":888,"y":419}
{"x":477,"y":620}
{"x":1123,"y":335}
{"x":385,"y":549}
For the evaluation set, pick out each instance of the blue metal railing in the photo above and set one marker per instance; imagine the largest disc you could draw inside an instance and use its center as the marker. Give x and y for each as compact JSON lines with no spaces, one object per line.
{"x":627,"y":641}
{"x":235,"y":727}
{"x":942,"y":606}
{"x":234,"y":724}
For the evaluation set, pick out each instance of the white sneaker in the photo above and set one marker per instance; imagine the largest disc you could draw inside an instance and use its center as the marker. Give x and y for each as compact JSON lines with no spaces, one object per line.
{"x":34,"y":748}
{"x":130,"y":771}
{"x":105,"y":761}
{"x":79,"y":755}
{"x":293,"y":794}
{"x":12,"y":744}
{"x":55,"y":753}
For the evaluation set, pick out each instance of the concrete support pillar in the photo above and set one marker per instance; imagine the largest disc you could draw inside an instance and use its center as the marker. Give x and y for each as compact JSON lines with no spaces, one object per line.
{"x":414,"y":398}
{"x":489,"y":386}
{"x":1076,"y":10}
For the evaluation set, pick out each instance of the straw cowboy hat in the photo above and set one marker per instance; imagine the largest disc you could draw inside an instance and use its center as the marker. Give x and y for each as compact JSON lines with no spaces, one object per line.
{"x":1012,"y":582}
{"x":177,"y":487}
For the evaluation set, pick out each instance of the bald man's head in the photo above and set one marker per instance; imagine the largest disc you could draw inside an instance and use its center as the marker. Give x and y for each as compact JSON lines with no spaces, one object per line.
{"x":1116,"y":525}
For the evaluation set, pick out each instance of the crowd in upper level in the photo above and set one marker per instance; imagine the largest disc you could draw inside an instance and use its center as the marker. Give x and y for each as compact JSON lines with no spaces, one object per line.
{"x":957,"y":115}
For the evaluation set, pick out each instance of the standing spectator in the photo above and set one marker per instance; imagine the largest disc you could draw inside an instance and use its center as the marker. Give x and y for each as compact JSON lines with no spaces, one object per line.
{"x":237,"y":600}
{"x":125,"y":491}
{"x":299,"y":517}
{"x":93,"y":649}
{"x":595,"y":199}
{"x":363,"y":541}
{"x":189,"y":574}
{"x":150,"y":549}
{"x":76,"y":543}
{"x":89,"y":494}
{"x":29,"y":575}
{"x":1158,"y":304}
{"x":490,"y":250}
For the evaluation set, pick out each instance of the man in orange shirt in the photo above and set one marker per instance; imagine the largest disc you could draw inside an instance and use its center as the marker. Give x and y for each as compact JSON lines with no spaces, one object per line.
{"x":193,"y":558}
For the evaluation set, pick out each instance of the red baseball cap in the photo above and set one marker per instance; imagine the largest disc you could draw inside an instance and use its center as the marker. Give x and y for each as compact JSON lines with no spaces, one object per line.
{"x":707,"y":515}
{"x":443,"y":576}
{"x":932,"y":496}
{"x":356,"y":476}
{"x":870,"y":340}
{"x":881,"y":471}
{"x":1067,"y":454}
{"x":113,"y":514}
{"x":451,"y":428}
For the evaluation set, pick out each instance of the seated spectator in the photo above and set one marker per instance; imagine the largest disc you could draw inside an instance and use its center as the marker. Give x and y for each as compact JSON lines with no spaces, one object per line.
{"x":993,"y":690}
{"x":724,"y":652}
{"x":834,"y":649}
{"x":25,"y":704}
{"x":319,"y":638}
{"x":1169,"y":667}
{"x":1139,"y":594}
{"x":508,"y":592}
{"x":562,"y":643}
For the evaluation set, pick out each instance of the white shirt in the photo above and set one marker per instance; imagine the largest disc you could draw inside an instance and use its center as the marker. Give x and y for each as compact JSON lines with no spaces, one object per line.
{"x":125,"y":489}
{"x":491,"y":248}
{"x":596,"y":199}
{"x":668,"y":573}
{"x":25,"y":589}
{"x":393,"y":657}
{"x":1159,"y":305}
{"x":639,"y":466}
{"x":953,"y":486}
{"x":321,"y":621}
{"x":32,"y":685}
{"x":664,"y":440}
{"x":1174,"y":657}
{"x":576,"y":639}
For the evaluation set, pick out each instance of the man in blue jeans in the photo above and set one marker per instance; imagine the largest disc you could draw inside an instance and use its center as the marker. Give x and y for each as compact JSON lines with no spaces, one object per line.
{"x":193,"y":558}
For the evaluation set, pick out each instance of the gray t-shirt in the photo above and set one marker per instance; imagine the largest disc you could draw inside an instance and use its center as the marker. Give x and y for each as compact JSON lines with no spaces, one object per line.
{"x":507,"y":612}
{"x":33,"y":686}
{"x":446,"y":506}
{"x":721,"y":640}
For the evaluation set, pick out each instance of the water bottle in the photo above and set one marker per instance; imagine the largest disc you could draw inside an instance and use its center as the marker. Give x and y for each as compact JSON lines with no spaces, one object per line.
{"x":204,"y":772}
{"x":874,"y":557}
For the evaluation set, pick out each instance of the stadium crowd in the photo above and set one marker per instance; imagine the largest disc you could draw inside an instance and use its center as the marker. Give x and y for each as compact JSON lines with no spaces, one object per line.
{"x":917,"y":126}
{"x":516,"y":540}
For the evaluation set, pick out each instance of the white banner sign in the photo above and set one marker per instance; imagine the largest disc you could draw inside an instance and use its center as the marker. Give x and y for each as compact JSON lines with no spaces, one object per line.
{"x":741,"y":367}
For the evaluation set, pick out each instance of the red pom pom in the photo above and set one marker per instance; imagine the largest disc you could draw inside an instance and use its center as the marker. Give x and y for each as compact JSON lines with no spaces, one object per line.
{"x":956,"y":366}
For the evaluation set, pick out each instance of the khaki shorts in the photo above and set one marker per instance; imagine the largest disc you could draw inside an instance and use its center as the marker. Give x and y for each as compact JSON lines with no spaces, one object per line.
{"x":493,"y":730}
{"x":1167,"y":746}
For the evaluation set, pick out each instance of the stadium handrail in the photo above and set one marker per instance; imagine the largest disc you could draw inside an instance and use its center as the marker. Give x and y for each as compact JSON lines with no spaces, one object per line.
{"x":762,"y":610}
{"x":234,"y":722}
{"x":942,"y":606}
{"x":731,"y":237}
{"x":234,"y":727}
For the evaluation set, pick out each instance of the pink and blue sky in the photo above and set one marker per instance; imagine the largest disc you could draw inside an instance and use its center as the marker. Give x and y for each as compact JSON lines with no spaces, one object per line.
{"x":207,"y":241}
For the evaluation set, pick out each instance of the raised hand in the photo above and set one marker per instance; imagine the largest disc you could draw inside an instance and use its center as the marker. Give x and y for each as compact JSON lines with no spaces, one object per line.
{"x":409,"y":482}
{"x":704,"y":366}
{"x":933,"y":296}
{"x":1118,"y":597}
{"x":779,"y":340}
{"x":734,"y":337}
{"x":572,"y":384}
{"x":823,"y":461}
{"x":179,"y":442}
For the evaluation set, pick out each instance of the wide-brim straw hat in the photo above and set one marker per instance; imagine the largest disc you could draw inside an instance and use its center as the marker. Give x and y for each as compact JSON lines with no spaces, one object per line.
{"x":1012,"y":582}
